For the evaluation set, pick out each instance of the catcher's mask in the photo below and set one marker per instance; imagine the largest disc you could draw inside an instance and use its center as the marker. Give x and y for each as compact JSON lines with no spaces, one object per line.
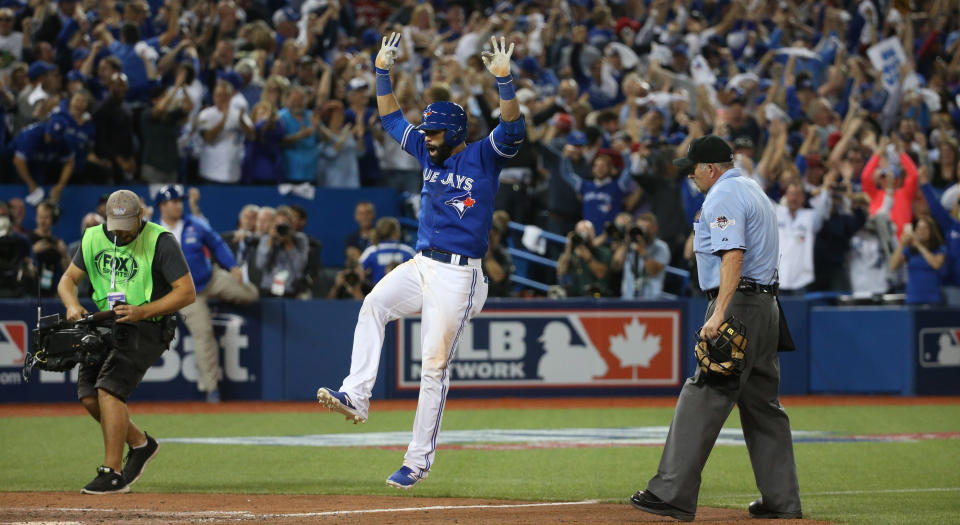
{"x":724,"y":354}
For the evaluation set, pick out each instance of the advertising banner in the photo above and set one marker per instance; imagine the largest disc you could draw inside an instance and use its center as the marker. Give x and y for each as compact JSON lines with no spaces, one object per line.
{"x":173,"y":377}
{"x":569,"y":348}
{"x":938,"y":352}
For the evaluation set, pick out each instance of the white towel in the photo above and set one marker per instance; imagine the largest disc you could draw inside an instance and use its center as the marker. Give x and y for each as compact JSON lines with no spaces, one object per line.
{"x":533,"y":241}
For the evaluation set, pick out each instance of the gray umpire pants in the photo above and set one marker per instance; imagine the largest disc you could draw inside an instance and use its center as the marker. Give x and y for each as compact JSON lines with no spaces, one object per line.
{"x":197,"y":317}
{"x":705,"y":404}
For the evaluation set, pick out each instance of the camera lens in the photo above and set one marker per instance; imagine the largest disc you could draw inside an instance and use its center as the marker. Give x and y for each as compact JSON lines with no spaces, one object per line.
{"x":283,"y":229}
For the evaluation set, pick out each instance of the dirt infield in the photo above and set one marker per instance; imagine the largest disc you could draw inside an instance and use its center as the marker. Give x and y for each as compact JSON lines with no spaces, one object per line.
{"x":150,"y":509}
{"x":244,"y":407}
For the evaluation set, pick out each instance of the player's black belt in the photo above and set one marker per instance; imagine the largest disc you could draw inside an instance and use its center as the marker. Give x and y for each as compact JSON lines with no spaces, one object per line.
{"x":446,"y":257}
{"x":746,"y":285}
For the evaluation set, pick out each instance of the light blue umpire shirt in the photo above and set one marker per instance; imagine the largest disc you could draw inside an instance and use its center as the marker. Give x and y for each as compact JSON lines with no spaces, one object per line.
{"x":736,"y":214}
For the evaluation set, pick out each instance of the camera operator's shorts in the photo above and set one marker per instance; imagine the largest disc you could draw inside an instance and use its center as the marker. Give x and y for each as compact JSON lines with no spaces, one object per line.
{"x":122,"y":370}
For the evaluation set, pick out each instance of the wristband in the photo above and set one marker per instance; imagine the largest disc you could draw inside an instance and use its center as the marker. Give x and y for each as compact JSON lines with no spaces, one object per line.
{"x":505,"y":85}
{"x":384,"y":87}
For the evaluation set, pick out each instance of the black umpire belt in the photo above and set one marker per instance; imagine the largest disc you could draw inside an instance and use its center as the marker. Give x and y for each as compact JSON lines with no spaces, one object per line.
{"x":746,"y":285}
{"x":450,"y":258}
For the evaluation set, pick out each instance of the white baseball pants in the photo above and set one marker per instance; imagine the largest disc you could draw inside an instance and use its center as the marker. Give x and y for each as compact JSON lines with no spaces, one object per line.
{"x":447,"y":296}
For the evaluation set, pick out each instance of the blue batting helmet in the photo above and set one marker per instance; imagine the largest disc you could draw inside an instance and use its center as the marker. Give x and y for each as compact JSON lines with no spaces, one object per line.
{"x":447,"y":116}
{"x":170,"y":192}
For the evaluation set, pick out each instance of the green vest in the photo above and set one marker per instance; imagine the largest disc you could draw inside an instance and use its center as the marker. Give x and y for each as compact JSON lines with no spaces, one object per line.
{"x":130,"y":267}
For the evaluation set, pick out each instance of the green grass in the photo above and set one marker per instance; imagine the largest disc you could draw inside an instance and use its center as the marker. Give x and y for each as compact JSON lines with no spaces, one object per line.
{"x":844,"y":482}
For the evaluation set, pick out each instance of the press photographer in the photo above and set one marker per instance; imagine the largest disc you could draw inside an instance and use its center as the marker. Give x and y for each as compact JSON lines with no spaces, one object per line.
{"x":136,"y":269}
{"x":281,"y":257}
{"x":582,"y":268}
{"x":643,"y":259}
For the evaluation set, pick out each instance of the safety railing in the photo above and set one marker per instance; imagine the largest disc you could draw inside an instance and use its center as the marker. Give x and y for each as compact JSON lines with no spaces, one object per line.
{"x":522,"y":277}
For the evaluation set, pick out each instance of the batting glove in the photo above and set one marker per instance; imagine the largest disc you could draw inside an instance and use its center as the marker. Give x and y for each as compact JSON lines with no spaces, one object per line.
{"x":498,"y":61}
{"x":388,"y":51}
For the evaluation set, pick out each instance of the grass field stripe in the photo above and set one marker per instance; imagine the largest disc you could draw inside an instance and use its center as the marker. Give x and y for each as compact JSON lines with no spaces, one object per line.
{"x":847,"y":492}
{"x":879,"y":491}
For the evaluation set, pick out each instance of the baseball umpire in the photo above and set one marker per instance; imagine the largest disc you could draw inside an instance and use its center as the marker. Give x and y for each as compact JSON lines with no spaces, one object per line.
{"x":136,"y":269}
{"x":444,"y":280}
{"x":736,"y":245}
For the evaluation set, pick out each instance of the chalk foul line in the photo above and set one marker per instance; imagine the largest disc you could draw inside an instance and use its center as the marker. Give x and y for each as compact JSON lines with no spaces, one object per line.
{"x":247,"y":515}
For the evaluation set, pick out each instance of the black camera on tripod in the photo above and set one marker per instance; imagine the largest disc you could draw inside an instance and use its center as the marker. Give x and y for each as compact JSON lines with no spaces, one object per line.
{"x":59,"y":345}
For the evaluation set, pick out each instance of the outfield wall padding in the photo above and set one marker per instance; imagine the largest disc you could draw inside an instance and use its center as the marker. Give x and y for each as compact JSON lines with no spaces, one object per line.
{"x":280,"y":349}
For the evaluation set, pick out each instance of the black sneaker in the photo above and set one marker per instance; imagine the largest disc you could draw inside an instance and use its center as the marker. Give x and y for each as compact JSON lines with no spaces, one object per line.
{"x":137,"y":459}
{"x":108,"y":481}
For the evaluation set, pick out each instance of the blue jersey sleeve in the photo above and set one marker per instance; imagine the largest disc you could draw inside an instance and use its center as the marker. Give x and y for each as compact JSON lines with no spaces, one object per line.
{"x":367,"y":258}
{"x":404,"y":133}
{"x":217,"y":246}
{"x":568,"y":175}
{"x":503,"y":142}
{"x":625,"y":181}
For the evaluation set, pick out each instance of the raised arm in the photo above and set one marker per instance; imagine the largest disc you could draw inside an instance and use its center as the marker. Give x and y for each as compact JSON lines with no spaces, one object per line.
{"x":498,"y":64}
{"x":386,"y":100}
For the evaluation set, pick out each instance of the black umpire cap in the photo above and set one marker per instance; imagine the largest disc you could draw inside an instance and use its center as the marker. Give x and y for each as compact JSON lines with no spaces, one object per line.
{"x":704,"y":150}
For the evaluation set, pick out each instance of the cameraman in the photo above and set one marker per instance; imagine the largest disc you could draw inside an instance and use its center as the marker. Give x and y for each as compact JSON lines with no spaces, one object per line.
{"x":281,"y":257}
{"x":847,"y":214}
{"x":643,"y":259}
{"x":351,"y":283}
{"x":582,"y":268}
{"x":614,"y":236}
{"x":140,"y":273}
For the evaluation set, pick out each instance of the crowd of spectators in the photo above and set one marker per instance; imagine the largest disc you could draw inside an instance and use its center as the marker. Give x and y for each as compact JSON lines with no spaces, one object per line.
{"x":846,"y":113}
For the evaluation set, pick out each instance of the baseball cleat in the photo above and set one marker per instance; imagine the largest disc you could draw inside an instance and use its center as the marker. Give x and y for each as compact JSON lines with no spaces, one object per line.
{"x":404,"y":478}
{"x":339,"y":402}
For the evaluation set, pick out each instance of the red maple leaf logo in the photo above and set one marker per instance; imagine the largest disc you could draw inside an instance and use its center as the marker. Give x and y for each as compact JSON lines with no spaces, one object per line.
{"x":469,"y":202}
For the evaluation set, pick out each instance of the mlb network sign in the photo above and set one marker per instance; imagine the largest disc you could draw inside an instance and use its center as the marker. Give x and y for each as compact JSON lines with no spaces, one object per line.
{"x":553,"y":348}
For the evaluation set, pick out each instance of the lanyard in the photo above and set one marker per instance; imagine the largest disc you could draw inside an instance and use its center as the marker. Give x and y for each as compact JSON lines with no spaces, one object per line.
{"x":113,"y":265}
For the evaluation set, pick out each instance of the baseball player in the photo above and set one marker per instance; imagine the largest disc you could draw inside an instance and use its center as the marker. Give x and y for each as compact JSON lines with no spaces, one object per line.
{"x":443,"y":281}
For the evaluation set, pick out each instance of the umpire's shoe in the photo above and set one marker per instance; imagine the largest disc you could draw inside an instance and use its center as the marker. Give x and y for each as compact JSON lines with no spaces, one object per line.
{"x":339,"y":402}
{"x":137,"y":459}
{"x":405,"y":478}
{"x":648,"y":502}
{"x":108,"y":481}
{"x":758,"y":510}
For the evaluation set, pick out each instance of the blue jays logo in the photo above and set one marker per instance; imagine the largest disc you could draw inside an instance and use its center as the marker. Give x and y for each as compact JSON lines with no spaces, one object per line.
{"x":461,"y":203}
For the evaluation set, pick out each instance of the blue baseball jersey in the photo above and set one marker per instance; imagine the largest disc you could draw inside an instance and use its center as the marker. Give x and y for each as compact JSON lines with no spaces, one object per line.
{"x":736,"y":215}
{"x":31,"y":145}
{"x":602,"y":201}
{"x":377,"y":258}
{"x":456,"y":202}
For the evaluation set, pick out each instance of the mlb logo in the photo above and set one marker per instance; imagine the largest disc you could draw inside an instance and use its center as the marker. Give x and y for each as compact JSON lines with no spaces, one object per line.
{"x":13,"y":343}
{"x":940,"y":347}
